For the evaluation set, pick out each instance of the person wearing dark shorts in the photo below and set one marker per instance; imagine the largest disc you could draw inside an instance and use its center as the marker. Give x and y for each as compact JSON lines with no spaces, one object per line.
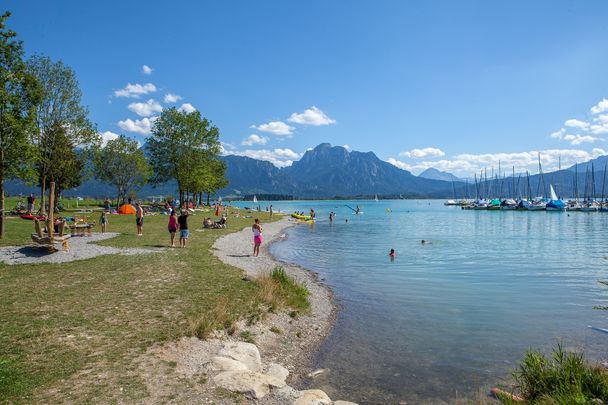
{"x":182,"y":222}
{"x":139,"y":219}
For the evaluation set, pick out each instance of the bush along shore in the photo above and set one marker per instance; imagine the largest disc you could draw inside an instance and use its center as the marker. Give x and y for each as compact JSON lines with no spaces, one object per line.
{"x":562,"y":378}
{"x":127,"y":324}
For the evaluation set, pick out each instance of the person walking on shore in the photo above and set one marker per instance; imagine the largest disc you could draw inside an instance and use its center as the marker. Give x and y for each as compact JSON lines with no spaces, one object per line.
{"x":270,"y":210}
{"x":182,"y":221}
{"x":103,"y":221}
{"x":139,"y":219}
{"x":172,"y":226}
{"x":257,"y":237}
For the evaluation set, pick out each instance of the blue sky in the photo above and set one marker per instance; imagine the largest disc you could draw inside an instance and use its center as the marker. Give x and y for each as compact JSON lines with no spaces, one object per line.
{"x":457,"y":85}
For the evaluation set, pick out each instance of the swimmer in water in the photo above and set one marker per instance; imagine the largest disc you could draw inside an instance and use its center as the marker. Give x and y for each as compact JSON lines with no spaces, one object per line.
{"x":425,"y":242}
{"x":392,"y":253}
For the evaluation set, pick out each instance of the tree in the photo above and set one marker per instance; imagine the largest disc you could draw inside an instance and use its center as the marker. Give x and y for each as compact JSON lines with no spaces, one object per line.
{"x":19,"y":96}
{"x":61,"y":105}
{"x":123,"y":164}
{"x":181,"y":145}
{"x":68,"y":162}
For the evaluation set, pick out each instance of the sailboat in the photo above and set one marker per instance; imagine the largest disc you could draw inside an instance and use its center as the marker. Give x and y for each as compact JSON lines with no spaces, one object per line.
{"x":555,"y":203}
{"x":255,"y":200}
{"x":376,"y":197}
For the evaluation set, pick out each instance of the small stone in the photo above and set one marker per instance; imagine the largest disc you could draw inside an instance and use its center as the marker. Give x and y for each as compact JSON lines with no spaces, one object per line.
{"x":246,"y":353}
{"x":344,"y":403}
{"x":278,"y":371}
{"x":253,"y":385}
{"x":312,"y":397}
{"x":226,"y":364}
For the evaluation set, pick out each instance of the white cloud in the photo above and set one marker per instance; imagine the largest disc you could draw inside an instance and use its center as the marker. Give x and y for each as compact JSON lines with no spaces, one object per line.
{"x":278,"y":157}
{"x":573,"y":123}
{"x":172,"y":98}
{"x":143,"y":126}
{"x":422,"y":153}
{"x":107,"y":136}
{"x":311,"y":116}
{"x":399,"y":164}
{"x":146,"y":109}
{"x":254,"y":139}
{"x":276,"y":128}
{"x":578,"y":139}
{"x":600,"y":107}
{"x":347,"y":147}
{"x":187,"y":108}
{"x":559,"y":134}
{"x":147,"y":70}
{"x":464,"y":165}
{"x":135,"y":90}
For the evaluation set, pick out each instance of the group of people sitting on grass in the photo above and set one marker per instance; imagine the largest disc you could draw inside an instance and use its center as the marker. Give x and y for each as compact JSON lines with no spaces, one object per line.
{"x":221,"y":223}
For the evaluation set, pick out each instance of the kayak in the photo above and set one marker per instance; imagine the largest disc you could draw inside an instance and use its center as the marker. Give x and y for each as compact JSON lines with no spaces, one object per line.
{"x":305,"y":221}
{"x":32,"y":217}
{"x":301,"y":217}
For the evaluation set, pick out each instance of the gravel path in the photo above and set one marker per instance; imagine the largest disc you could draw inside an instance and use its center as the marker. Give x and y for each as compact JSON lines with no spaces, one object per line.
{"x":81,"y":247}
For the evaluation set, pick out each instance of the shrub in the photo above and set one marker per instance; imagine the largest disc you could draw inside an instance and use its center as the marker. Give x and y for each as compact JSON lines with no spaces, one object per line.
{"x":563,"y":379}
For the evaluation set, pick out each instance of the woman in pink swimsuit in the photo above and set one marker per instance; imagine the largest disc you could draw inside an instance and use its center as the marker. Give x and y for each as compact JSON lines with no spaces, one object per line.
{"x":257,"y":237}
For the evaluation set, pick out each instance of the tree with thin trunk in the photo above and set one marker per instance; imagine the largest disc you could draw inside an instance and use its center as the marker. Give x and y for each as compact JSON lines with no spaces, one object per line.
{"x":61,"y":105}
{"x":123,"y":164}
{"x":19,"y":96}
{"x":68,"y":162}
{"x":180,"y":145}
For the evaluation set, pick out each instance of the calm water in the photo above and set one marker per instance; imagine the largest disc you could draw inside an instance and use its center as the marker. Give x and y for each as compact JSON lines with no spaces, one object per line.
{"x":451,"y":318}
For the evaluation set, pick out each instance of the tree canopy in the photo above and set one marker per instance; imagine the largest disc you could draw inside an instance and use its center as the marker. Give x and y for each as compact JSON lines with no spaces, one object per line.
{"x":61,"y":104}
{"x":20,"y":94}
{"x":184,"y":146}
{"x":123,"y":164}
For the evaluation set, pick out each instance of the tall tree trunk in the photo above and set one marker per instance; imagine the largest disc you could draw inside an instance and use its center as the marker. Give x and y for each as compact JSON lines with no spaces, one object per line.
{"x":200,"y":198}
{"x":181,"y":198}
{"x":208,"y":197}
{"x":42,"y":193}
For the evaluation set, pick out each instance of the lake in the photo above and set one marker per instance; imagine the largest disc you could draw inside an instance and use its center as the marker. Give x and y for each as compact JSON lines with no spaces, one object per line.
{"x":450,"y":318}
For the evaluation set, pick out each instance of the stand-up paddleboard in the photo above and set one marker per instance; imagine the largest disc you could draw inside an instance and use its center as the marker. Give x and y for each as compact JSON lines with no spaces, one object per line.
{"x":598,"y":329}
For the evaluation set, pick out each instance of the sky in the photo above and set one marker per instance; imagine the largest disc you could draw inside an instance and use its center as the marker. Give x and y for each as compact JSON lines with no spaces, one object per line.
{"x":455,"y":85}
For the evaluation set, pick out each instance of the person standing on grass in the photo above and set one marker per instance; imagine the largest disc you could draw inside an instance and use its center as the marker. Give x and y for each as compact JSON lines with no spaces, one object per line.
{"x":172,"y":227}
{"x":182,"y":221}
{"x":139,"y":219}
{"x":103,"y":221}
{"x":30,"y":203}
{"x":257,"y":237}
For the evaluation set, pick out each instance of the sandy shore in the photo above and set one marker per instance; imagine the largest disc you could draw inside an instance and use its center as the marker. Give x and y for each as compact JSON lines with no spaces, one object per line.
{"x":300,"y":337}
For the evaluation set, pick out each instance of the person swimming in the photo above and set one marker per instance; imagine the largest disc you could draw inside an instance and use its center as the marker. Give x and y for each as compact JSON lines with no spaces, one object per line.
{"x":392,"y":253}
{"x":425,"y":242}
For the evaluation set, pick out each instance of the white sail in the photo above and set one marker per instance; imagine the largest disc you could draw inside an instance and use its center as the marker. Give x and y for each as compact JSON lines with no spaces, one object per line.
{"x":255,"y":200}
{"x":376,"y":197}
{"x":553,"y":195}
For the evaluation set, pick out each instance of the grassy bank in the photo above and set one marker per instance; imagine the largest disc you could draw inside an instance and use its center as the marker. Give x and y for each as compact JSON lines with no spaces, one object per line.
{"x":72,"y":332}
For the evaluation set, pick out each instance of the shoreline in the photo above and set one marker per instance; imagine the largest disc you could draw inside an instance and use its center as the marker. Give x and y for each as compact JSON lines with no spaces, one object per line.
{"x":295,"y":346}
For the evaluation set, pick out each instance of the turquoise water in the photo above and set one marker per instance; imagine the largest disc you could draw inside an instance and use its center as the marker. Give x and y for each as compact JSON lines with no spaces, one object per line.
{"x":451,"y":318}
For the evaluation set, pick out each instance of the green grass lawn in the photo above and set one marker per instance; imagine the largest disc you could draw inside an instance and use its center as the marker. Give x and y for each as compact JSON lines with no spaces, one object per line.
{"x":69,"y":333}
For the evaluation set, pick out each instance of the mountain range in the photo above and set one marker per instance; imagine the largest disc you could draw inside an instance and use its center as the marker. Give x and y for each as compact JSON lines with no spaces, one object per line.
{"x":334,"y":172}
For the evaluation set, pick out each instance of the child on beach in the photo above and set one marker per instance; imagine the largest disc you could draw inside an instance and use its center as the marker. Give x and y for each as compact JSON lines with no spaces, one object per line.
{"x":103,"y":221}
{"x":172,"y":226}
{"x":257,"y":237}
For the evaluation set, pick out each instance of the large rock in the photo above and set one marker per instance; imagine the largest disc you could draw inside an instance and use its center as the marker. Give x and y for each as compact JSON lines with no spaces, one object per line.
{"x":278,"y":371}
{"x":226,"y":364}
{"x":246,"y":353}
{"x":312,"y":397}
{"x":253,"y":385}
